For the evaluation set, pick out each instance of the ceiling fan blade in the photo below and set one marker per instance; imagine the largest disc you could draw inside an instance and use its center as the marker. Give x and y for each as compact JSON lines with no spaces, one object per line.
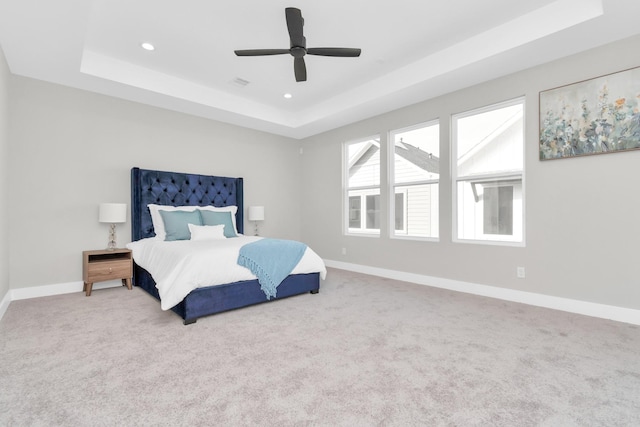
{"x":300,"y":69}
{"x":295,"y":22}
{"x":334,"y":51}
{"x":261,"y":52}
{"x":298,"y":46}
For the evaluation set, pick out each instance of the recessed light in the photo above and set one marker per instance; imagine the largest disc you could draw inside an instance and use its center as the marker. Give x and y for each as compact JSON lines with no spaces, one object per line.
{"x":147,"y":46}
{"x":288,"y":95}
{"x":240,"y":82}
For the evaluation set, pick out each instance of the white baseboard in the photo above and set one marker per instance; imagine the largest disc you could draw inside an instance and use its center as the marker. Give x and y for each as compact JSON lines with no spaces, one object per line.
{"x":58,"y":289}
{"x":603,"y":311}
{"x":4,"y":304}
{"x":48,"y":290}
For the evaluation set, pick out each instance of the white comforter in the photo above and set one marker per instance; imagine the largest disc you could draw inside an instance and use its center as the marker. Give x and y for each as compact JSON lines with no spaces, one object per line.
{"x":178,"y":267}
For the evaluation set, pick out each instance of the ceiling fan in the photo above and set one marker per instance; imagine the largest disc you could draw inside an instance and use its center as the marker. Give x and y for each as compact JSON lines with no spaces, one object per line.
{"x":298,"y":48}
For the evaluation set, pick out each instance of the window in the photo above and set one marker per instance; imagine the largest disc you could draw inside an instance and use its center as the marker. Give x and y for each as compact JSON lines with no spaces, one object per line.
{"x":488,"y":148}
{"x":362,"y":195}
{"x":414,"y":174}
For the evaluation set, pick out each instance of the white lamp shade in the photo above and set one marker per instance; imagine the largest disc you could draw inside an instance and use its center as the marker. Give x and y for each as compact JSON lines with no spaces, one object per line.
{"x":256,"y":213}
{"x":112,"y":213}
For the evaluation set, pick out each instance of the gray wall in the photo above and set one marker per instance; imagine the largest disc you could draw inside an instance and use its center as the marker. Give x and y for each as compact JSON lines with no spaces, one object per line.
{"x":582,"y":226}
{"x":71,"y":150}
{"x":4,"y":175}
{"x":581,"y":214}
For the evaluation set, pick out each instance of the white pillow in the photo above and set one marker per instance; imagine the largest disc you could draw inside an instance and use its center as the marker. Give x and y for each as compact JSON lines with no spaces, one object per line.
{"x":206,"y":232}
{"x":158,"y":223}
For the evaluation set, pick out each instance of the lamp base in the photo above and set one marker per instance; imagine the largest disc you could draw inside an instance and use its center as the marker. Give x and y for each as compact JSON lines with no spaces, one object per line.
{"x":112,"y":238}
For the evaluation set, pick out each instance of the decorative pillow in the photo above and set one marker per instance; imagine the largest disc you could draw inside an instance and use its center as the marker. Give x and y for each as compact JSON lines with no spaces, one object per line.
{"x":176,"y":224}
{"x":218,"y":218}
{"x":158,"y":224}
{"x":207,"y":232}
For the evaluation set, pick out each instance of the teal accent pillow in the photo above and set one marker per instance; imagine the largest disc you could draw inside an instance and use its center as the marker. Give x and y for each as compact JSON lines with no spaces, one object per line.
{"x":176,"y":223}
{"x":217,"y":218}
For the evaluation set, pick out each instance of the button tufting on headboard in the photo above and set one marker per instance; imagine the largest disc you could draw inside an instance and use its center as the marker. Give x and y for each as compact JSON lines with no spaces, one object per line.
{"x":164,"y":188}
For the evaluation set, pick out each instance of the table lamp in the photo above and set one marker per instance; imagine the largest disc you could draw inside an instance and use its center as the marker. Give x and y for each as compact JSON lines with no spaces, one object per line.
{"x":256,"y":213}
{"x":112,"y":213}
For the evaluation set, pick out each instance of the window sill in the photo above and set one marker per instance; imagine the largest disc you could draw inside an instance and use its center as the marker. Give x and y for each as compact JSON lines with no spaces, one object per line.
{"x":490,"y":242}
{"x":361,"y":234}
{"x":416,"y":238}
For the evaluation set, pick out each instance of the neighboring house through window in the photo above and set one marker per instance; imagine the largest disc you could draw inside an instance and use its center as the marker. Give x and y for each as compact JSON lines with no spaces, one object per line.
{"x":488,"y":149}
{"x":362,"y":173}
{"x":415,"y":174}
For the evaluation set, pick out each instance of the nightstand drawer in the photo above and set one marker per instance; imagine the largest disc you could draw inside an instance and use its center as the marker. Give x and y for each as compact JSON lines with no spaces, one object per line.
{"x":105,"y":264}
{"x":107,"y":270}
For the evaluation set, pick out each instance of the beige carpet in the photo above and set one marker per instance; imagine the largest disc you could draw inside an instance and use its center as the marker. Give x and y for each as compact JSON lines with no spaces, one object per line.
{"x":365,"y":351}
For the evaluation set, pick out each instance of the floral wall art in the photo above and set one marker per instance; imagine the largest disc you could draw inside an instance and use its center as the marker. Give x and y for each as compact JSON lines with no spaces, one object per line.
{"x":596,"y":116}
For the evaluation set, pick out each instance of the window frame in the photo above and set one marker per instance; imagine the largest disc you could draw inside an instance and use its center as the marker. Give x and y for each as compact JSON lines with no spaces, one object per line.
{"x":486,"y":178}
{"x":362,"y":191}
{"x":402,"y":231}
{"x":393,"y":186}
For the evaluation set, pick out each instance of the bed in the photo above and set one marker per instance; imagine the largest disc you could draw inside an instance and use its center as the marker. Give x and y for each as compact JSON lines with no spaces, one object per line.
{"x":153,"y":187}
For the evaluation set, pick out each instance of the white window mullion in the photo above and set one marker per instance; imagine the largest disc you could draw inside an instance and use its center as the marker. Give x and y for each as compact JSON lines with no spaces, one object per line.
{"x":487,"y":167}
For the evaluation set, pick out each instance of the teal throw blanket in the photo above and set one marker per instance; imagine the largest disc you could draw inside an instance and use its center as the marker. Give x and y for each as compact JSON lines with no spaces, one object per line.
{"x":271,"y":261}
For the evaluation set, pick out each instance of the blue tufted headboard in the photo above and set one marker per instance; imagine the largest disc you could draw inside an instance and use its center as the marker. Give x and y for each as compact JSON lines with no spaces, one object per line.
{"x":179,"y":189}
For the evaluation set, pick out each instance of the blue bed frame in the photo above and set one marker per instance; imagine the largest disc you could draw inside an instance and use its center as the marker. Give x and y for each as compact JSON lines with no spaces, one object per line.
{"x":183,"y":189}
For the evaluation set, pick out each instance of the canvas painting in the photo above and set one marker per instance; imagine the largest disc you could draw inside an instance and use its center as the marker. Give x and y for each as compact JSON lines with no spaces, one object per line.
{"x":596,"y":116}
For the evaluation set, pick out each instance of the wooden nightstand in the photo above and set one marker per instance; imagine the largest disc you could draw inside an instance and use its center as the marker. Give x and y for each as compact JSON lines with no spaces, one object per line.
{"x":101,"y":265}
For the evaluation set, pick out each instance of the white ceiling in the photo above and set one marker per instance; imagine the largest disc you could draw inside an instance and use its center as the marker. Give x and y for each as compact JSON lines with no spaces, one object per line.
{"x":412,"y":50}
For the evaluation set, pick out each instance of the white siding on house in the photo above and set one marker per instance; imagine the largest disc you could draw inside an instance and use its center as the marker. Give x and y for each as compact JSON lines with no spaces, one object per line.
{"x":405,"y":171}
{"x":366,"y":170}
{"x":421,"y":203}
{"x":422,"y":210}
{"x":496,"y":153}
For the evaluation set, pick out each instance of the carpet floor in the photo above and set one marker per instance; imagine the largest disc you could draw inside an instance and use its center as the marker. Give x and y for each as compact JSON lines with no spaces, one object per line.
{"x":365,"y":351}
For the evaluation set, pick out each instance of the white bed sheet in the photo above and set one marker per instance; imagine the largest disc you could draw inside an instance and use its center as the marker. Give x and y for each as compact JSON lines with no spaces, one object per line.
{"x":178,"y":267}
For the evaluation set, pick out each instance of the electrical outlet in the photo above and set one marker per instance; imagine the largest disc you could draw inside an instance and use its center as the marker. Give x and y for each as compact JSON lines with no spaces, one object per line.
{"x":344,"y":251}
{"x":520,"y":272}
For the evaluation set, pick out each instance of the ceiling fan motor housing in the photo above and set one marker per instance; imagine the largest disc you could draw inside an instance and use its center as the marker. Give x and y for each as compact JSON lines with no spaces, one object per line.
{"x":298,"y":51}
